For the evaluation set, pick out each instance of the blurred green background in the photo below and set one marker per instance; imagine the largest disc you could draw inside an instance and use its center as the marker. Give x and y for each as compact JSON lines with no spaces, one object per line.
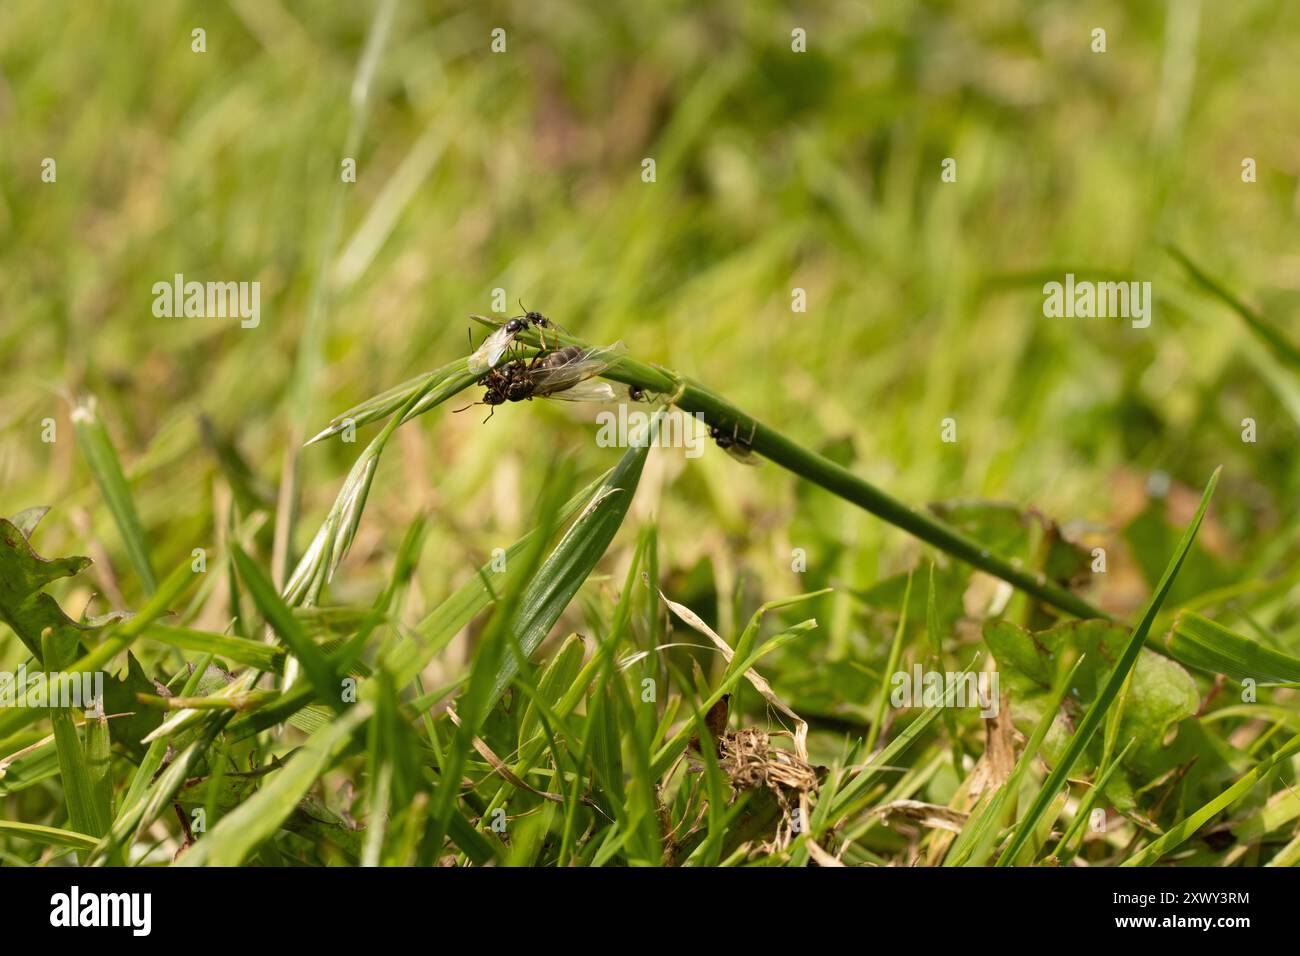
{"x":775,"y":170}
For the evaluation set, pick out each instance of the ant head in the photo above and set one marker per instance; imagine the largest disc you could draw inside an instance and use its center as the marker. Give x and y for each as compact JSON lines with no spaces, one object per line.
{"x":715,"y":432}
{"x":530,"y":316}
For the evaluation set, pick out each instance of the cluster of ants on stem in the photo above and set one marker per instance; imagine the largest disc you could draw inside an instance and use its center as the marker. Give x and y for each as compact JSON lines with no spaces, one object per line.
{"x":563,"y":373}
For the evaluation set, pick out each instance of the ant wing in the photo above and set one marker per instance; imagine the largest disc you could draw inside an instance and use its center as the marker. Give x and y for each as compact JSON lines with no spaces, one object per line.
{"x":585,"y":392}
{"x":743,"y":455}
{"x":487,"y":355}
{"x":576,"y":366}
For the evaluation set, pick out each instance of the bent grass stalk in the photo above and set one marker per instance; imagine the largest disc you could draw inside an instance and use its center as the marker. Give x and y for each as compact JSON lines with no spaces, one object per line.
{"x":414,"y":398}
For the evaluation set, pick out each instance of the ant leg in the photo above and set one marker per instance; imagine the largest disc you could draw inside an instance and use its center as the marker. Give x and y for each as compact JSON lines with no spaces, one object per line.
{"x":677,"y":393}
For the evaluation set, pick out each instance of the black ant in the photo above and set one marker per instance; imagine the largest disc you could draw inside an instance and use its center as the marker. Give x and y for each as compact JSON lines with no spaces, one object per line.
{"x":562,"y":374}
{"x":535,"y":319}
{"x":738,"y":448}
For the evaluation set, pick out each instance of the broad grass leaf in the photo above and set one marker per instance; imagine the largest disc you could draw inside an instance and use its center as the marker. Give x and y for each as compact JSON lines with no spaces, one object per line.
{"x":1201,"y":643}
{"x":572,"y":559}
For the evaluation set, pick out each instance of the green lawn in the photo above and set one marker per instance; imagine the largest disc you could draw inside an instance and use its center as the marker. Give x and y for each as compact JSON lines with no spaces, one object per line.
{"x":426,"y":637}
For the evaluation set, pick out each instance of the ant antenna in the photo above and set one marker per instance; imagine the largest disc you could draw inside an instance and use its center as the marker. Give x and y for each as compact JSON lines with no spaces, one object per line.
{"x":456,"y":411}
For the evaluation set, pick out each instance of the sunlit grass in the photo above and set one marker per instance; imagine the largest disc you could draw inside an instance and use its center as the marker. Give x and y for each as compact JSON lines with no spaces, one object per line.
{"x":425,"y":638}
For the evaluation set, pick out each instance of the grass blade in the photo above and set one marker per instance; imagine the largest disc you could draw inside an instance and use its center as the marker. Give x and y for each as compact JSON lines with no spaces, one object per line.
{"x":87,"y":807}
{"x":97,"y":447}
{"x":51,"y":836}
{"x":239,"y":650}
{"x":895,"y":651}
{"x":1277,"y":343}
